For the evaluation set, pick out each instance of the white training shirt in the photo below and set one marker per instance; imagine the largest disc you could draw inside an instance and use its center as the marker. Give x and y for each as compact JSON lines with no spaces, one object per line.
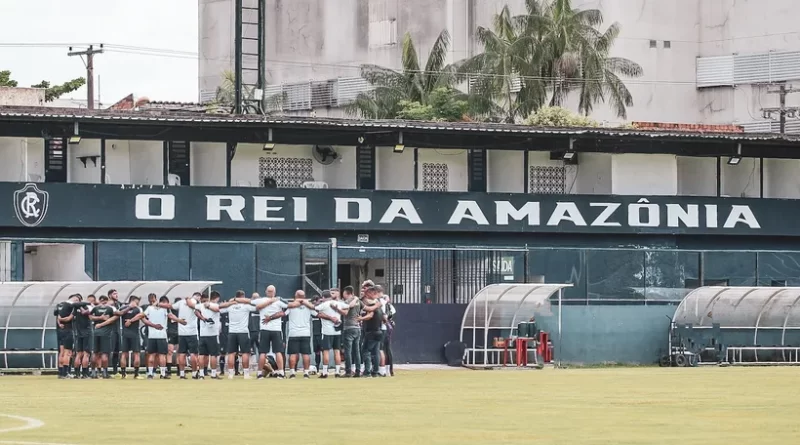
{"x":186,"y":313}
{"x":239,"y":318}
{"x":300,"y":321}
{"x":272,"y":309}
{"x":383,"y":302}
{"x":156,"y":315}
{"x":208,"y":329}
{"x":329,"y":308}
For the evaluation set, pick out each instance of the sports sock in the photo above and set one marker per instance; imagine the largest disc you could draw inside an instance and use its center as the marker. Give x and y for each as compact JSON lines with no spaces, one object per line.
{"x":183,"y":373}
{"x":338,"y":368}
{"x":163,"y":371}
{"x":213,"y":372}
{"x":150,"y":371}
{"x":202,"y":372}
{"x":325,"y":369}
{"x":247,"y":372}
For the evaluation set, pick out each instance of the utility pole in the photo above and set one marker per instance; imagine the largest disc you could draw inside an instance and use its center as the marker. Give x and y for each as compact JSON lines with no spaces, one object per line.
{"x":89,"y":62}
{"x":782,"y":110}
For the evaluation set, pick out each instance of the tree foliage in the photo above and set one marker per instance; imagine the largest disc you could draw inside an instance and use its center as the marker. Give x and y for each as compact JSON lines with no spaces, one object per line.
{"x":410,"y":90}
{"x":545,"y":54}
{"x":51,"y":92}
{"x":444,"y":105}
{"x":225,"y":98}
{"x":6,"y":81}
{"x":558,"y":117}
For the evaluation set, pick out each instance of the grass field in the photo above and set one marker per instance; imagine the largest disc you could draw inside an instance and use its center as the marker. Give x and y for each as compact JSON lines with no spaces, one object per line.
{"x":567,"y":407}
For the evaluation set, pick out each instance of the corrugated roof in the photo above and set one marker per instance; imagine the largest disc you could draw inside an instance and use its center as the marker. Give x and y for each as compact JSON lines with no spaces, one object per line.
{"x":164,"y":117}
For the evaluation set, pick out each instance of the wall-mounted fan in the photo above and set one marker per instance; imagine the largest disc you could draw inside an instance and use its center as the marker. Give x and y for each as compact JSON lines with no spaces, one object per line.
{"x":325,"y":154}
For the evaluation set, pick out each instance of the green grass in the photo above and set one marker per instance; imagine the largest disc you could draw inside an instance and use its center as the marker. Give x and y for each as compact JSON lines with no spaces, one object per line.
{"x":567,"y":407}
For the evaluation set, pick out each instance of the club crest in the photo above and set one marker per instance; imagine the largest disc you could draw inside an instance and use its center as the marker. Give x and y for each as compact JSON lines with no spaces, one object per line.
{"x":30,"y":205}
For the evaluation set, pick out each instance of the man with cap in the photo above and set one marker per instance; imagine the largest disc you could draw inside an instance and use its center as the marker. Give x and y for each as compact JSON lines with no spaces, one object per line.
{"x":104,"y":327}
{"x":270,"y":311}
{"x":300,"y":312}
{"x":131,"y":343}
{"x":330,"y":312}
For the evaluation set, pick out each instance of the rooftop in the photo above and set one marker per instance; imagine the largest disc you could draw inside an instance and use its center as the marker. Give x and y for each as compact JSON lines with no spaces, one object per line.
{"x":695,"y":140}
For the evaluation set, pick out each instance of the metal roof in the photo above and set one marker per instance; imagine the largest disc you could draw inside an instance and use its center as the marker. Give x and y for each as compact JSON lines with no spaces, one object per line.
{"x":256,"y":121}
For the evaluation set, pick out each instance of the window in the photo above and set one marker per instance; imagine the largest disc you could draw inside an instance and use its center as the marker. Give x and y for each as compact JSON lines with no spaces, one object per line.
{"x":547,"y":180}
{"x":435,"y":177}
{"x":667,"y":44}
{"x":382,"y":33}
{"x":653,"y":44}
{"x":287,"y":172}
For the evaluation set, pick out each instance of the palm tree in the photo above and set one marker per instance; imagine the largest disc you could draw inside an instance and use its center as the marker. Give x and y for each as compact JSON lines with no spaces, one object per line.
{"x":511,"y":54}
{"x":551,"y":50}
{"x":577,"y":57}
{"x":412,"y":83}
{"x":226,"y":97}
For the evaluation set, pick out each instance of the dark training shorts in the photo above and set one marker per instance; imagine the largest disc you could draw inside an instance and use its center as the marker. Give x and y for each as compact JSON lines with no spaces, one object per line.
{"x":272,"y":340}
{"x":172,"y":338}
{"x":209,"y":346}
{"x":187,"y":344}
{"x":83,"y":342}
{"x":299,"y":345}
{"x":238,"y":343}
{"x":157,"y":346}
{"x":102,"y":344}
{"x":131,"y":344}
{"x":331,"y":342}
{"x":66,"y":339}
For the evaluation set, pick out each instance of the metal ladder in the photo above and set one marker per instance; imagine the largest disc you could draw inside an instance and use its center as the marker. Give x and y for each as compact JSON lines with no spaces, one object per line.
{"x":250,"y":58}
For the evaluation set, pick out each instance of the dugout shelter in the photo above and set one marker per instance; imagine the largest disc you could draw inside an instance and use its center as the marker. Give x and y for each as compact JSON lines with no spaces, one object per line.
{"x":28,"y":306}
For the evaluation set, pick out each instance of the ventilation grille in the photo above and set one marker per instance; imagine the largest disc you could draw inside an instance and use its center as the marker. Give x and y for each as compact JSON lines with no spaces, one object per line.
{"x":547,"y":180}
{"x":287,"y":172}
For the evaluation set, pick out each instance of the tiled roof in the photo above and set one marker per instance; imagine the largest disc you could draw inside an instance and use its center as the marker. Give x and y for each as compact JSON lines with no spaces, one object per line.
{"x":695,"y":128}
{"x":170,"y":117}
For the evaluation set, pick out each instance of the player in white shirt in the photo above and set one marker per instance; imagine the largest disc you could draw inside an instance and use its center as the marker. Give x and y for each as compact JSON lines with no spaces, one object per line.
{"x":299,"y":311}
{"x":188,"y":311}
{"x":209,"y":334}
{"x":387,"y":361}
{"x":239,"y":309}
{"x":271,"y":310}
{"x":331,"y":312}
{"x":156,"y":318}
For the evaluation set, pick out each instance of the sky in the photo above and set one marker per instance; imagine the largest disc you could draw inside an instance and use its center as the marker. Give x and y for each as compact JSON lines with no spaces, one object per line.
{"x":35,"y":36}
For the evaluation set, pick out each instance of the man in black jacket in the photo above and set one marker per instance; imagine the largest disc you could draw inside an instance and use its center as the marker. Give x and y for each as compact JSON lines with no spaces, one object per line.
{"x":372,"y":321}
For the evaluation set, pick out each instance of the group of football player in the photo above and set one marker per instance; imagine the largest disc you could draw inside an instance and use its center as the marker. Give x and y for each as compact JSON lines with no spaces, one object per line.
{"x":348,"y":332}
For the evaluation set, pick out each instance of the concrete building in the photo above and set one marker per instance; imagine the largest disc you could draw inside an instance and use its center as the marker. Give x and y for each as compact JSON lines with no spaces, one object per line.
{"x":704,"y":61}
{"x":634,"y":220}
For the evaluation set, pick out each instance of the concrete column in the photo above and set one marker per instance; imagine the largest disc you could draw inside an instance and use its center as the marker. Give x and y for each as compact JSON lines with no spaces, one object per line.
{"x":644,"y":174}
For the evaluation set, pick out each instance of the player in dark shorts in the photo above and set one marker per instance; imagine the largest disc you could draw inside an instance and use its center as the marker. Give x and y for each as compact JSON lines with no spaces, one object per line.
{"x":83,"y":337}
{"x":65,"y":315}
{"x":152,"y":300}
{"x":131,"y":343}
{"x":316,"y":333}
{"x":209,"y":334}
{"x":172,"y":338}
{"x":104,"y":327}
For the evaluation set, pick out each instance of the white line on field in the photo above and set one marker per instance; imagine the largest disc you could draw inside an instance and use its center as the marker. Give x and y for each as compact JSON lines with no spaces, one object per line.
{"x":30,"y":424}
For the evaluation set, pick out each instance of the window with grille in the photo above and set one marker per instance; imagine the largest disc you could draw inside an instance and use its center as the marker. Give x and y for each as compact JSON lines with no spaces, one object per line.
{"x":547,"y":180}
{"x":287,"y":172}
{"x":435,"y":177}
